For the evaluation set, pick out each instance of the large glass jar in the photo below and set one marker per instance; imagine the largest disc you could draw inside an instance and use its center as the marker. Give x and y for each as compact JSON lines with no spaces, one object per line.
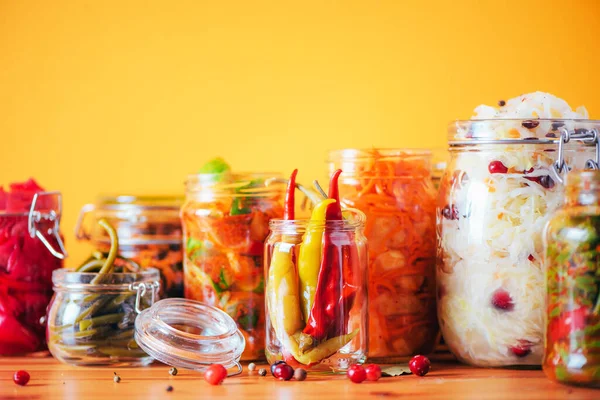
{"x":225,"y":223}
{"x":393,"y":187}
{"x":91,"y":318}
{"x":149,"y":230}
{"x":502,"y":184}
{"x":30,"y":249}
{"x":572,"y":244}
{"x":321,"y":323}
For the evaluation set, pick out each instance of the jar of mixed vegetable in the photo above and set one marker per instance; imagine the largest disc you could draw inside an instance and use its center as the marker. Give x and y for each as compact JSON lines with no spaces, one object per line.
{"x":225,"y":223}
{"x":316,"y":285}
{"x":31,"y":248}
{"x":572,"y":245}
{"x":503,"y":182}
{"x":149,"y":230}
{"x":393,"y":187}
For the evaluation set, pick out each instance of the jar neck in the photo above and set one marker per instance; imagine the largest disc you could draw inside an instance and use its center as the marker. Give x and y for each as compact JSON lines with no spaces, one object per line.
{"x":208,"y":187}
{"x":583,"y":188}
{"x":381,"y":163}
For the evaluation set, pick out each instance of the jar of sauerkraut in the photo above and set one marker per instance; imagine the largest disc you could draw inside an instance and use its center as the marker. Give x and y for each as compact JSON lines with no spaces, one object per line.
{"x":225,"y":222}
{"x":572,"y":340}
{"x":503,"y":182}
{"x":393,"y":187}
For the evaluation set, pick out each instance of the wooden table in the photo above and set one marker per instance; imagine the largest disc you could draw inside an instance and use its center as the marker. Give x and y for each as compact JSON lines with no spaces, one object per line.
{"x":51,"y":380}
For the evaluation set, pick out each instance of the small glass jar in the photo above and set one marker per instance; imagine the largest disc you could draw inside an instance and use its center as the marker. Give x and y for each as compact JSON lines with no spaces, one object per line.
{"x":31,"y":248}
{"x":393,"y":187}
{"x":91,"y":317}
{"x":503,"y":182}
{"x":572,"y":260}
{"x":317,"y":324}
{"x":225,"y":223}
{"x":149,"y":231}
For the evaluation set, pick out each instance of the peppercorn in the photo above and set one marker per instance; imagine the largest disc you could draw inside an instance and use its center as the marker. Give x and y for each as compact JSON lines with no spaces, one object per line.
{"x":251,"y":367}
{"x":173,"y":371}
{"x":169,"y":388}
{"x":262,"y":372}
{"x":300,"y":374}
{"x":116,"y":378}
{"x":501,"y":103}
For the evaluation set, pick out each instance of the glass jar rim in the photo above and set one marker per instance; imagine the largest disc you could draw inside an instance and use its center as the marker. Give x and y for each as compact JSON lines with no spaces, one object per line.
{"x":157,"y":333}
{"x":356,"y":219}
{"x":143,"y":202}
{"x":368,"y":153}
{"x":65,"y":279}
{"x":238,"y":184}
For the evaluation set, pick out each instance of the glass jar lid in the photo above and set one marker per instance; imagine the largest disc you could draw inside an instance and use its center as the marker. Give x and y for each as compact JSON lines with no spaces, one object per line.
{"x":189,"y":334}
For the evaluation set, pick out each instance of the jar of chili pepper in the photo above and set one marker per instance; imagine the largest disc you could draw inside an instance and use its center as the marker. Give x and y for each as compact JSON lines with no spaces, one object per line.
{"x":572,"y":250}
{"x":31,"y":248}
{"x":225,"y":223}
{"x":316,"y":286}
{"x":149,"y":230}
{"x":393,"y":187}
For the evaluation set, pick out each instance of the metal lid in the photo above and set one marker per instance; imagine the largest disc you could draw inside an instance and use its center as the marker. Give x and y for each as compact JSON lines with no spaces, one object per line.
{"x":189,"y":334}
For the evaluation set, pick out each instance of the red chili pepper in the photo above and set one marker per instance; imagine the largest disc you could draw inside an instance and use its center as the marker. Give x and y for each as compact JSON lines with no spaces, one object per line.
{"x":334,"y":211}
{"x":290,"y":198}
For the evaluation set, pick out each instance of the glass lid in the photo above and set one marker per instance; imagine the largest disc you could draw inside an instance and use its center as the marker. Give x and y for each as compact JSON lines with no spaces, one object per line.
{"x":189,"y":334}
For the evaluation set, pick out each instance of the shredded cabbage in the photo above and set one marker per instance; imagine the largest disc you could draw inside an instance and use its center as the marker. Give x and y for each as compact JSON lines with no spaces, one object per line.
{"x":495,"y":244}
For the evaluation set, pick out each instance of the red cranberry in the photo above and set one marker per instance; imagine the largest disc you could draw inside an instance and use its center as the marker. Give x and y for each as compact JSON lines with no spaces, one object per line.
{"x":530,"y":124}
{"x":502,"y":300}
{"x":450,"y":212}
{"x":531,"y":258}
{"x":356,"y":373}
{"x":373,"y":372}
{"x":21,"y":377}
{"x":522,"y":349}
{"x":283,"y":372}
{"x":274,"y":365}
{"x":419,"y":365}
{"x":544,"y":181}
{"x":496,"y":167}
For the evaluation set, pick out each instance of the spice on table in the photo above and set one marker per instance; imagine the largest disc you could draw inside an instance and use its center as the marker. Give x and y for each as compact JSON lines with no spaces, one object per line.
{"x":173,"y":371}
{"x":169,"y":388}
{"x":300,"y":374}
{"x":21,"y":377}
{"x":419,"y":365}
{"x":251,"y":367}
{"x":262,"y":372}
{"x":116,"y":378}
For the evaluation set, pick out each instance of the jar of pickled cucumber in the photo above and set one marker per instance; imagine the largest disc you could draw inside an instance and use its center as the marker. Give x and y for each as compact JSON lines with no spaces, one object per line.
{"x":572,"y":261}
{"x":149,"y":231}
{"x":393,"y":187}
{"x":225,"y":222}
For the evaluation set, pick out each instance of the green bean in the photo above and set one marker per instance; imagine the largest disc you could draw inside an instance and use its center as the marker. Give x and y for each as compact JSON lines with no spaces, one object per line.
{"x":128,"y":334}
{"x":77,"y":336}
{"x":91,"y":266}
{"x":116,"y":352}
{"x":117,"y":301}
{"x":75,"y":349}
{"x":102,"y":320}
{"x":93,"y":308}
{"x":109,"y":263}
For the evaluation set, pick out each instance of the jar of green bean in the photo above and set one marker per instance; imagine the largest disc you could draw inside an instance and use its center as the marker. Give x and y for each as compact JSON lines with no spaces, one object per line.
{"x":91,"y":316}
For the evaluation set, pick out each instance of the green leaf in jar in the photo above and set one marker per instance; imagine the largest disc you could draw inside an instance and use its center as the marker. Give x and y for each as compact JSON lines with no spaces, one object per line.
{"x":395,"y":370}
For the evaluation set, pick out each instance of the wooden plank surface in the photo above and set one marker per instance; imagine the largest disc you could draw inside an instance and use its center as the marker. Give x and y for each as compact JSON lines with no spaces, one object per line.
{"x":52,"y":380}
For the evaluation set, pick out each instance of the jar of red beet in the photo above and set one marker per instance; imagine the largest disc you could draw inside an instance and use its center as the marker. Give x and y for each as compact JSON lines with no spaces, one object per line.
{"x":31,"y":248}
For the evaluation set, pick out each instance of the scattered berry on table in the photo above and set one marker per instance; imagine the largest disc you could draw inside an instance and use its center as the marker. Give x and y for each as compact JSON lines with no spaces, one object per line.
{"x":300,"y":374}
{"x":251,"y":367}
{"x":419,"y":365}
{"x":274,"y":365}
{"x":357,"y":373}
{"x":283,"y":372}
{"x":21,"y":377}
{"x":173,"y":371}
{"x":262,"y":372}
{"x":215,"y":374}
{"x":373,"y":372}
{"x":169,"y":388}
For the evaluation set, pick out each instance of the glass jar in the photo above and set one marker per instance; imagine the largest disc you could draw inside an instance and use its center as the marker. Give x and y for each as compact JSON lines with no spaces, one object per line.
{"x":30,"y":249}
{"x":393,"y":187}
{"x":91,"y":316}
{"x":225,"y":223}
{"x":502,"y":184}
{"x":149,"y":231}
{"x":328,"y":331}
{"x":572,"y":242}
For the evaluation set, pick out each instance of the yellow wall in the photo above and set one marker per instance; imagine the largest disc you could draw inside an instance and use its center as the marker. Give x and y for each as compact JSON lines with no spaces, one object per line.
{"x":130,"y":96}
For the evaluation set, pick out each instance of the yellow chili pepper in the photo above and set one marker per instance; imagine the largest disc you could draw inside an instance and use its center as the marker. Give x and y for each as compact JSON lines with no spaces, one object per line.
{"x":309,"y":259}
{"x":320,"y":352}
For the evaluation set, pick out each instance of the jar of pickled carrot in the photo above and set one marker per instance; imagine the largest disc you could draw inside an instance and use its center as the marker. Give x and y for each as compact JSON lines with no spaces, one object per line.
{"x":225,"y":222}
{"x":393,"y":187}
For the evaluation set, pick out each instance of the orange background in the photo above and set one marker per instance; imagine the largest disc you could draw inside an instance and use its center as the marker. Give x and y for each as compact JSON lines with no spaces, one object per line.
{"x":131,"y":96}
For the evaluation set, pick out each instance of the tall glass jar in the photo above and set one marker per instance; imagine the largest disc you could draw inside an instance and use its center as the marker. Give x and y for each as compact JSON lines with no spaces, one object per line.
{"x":502,"y":184}
{"x":31,"y":248}
{"x":149,"y":230}
{"x":572,"y":246}
{"x":320,"y":324}
{"x":225,"y":223}
{"x":393,"y":187}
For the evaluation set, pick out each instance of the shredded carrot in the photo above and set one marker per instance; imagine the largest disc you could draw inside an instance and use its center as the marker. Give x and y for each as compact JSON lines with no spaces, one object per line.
{"x":397,"y":195}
